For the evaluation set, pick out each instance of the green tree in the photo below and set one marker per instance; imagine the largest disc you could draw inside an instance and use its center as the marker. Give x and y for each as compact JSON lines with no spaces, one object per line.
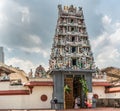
{"x":84,"y":86}
{"x":67,"y":89}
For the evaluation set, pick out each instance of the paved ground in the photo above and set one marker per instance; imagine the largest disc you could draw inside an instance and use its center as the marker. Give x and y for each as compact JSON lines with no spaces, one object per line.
{"x":95,"y":109}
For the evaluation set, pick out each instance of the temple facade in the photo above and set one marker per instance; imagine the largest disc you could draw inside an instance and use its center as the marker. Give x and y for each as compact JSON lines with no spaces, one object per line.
{"x":71,"y":58}
{"x":72,"y":72}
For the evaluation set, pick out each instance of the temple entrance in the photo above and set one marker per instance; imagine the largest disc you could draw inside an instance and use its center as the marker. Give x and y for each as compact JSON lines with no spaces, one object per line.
{"x":75,"y":87}
{"x":71,"y":79}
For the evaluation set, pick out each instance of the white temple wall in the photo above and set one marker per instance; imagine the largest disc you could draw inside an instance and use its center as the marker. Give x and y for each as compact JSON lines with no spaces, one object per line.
{"x":100,"y":91}
{"x":35,"y":97}
{"x":32,"y":101}
{"x":13,"y":101}
{"x":4,"y":85}
{"x":113,"y":95}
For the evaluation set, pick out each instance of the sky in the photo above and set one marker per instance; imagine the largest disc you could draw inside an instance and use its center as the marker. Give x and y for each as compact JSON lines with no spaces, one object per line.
{"x":27,"y":28}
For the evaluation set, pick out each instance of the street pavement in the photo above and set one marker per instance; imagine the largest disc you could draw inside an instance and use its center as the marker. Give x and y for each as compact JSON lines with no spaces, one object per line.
{"x":91,"y":109}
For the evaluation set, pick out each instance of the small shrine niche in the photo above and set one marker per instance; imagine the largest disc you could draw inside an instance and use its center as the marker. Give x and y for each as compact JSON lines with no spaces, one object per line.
{"x":72,"y":9}
{"x":39,"y":73}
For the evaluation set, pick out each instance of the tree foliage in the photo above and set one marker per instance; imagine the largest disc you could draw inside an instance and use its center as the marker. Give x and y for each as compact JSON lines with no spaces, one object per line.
{"x":84,"y":86}
{"x":67,"y":89}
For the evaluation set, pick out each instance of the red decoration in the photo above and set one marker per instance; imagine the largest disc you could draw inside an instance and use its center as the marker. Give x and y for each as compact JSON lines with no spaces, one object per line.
{"x":44,"y":97}
{"x":95,"y":96}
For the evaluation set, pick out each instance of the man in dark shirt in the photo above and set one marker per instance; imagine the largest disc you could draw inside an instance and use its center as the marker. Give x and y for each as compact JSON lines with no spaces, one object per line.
{"x":55,"y":101}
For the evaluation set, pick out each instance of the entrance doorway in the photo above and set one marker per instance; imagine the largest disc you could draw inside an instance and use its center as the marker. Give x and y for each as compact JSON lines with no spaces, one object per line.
{"x":75,"y":90}
{"x":77,"y":87}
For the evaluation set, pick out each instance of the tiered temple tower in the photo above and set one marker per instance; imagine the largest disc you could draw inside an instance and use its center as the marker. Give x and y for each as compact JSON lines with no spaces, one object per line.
{"x":71,"y":47}
{"x":71,"y":57}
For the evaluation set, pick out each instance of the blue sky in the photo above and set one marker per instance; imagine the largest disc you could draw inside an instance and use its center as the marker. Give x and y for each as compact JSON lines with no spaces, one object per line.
{"x":27,"y":29}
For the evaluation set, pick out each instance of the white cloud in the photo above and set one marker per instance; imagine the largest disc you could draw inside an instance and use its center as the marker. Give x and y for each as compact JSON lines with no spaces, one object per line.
{"x":108,"y":57}
{"x":35,"y":46}
{"x":3,"y":17}
{"x":45,"y":53}
{"x":107,"y":23}
{"x":106,"y":20}
{"x":115,"y":37}
{"x":2,"y":4}
{"x":99,"y":40}
{"x":117,"y":25}
{"x":108,"y":53}
{"x":9,"y":49}
{"x":13,"y":12}
{"x":25,"y":14}
{"x":25,"y":65}
{"x":35,"y":39}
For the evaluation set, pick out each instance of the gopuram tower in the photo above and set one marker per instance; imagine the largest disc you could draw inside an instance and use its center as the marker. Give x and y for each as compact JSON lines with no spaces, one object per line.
{"x":71,"y":58}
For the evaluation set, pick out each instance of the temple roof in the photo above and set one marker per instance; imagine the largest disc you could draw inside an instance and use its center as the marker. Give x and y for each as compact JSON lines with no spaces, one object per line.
{"x":5,"y":69}
{"x":101,"y":84}
{"x":113,"y":74}
{"x":39,"y":83}
{"x":13,"y":73}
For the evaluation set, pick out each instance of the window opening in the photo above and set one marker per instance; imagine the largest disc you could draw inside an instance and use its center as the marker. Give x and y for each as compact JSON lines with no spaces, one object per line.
{"x":73,"y":39}
{"x":74,"y":62}
{"x":73,"y":49}
{"x":72,"y":29}
{"x":71,"y":20}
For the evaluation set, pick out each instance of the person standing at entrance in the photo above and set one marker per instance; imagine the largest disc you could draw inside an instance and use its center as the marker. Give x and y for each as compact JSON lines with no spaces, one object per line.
{"x":77,"y":102}
{"x":94,"y":101}
{"x":55,"y":102}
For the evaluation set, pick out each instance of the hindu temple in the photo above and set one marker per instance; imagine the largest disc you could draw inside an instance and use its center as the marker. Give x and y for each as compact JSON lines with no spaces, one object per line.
{"x":71,"y":60}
